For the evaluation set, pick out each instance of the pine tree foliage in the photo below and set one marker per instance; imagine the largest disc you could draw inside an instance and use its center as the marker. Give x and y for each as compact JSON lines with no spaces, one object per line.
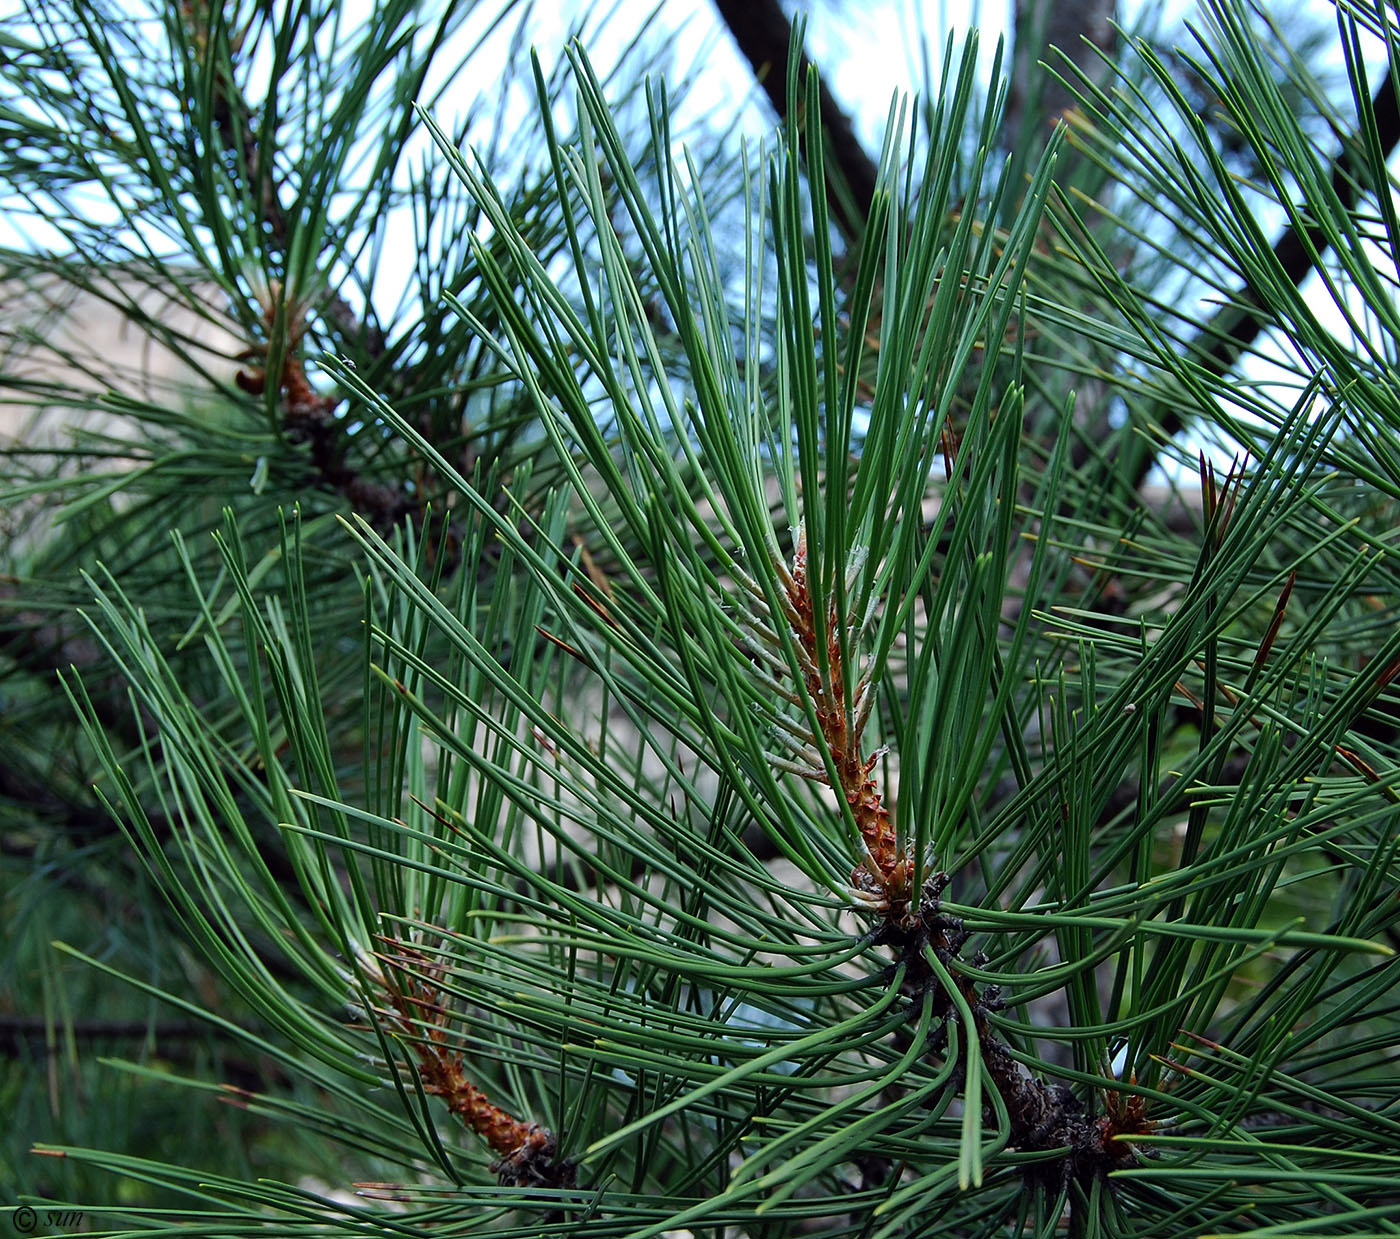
{"x":793,"y":783}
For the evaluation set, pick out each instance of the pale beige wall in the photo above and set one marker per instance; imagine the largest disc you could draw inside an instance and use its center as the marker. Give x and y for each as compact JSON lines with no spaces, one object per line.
{"x":61,"y":347}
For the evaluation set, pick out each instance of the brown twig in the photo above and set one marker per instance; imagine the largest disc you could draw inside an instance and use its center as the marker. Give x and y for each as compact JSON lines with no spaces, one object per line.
{"x":882,"y":877}
{"x":33,"y":1031}
{"x":417,"y":1014}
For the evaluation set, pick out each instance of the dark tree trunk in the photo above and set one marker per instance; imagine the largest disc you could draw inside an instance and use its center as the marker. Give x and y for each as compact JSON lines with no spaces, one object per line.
{"x":1048,"y":34}
{"x":764,"y":35}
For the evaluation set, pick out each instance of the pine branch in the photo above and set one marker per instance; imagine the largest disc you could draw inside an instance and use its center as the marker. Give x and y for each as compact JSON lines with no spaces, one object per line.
{"x":308,"y":416}
{"x":235,"y":122}
{"x":1225,"y":338}
{"x":1043,"y":1117}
